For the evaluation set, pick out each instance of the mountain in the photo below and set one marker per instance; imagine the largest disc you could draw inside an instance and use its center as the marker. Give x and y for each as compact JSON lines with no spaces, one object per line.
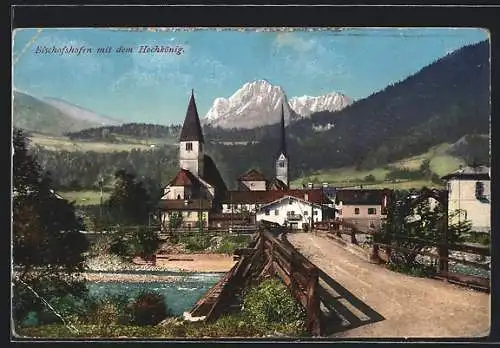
{"x":33,"y":114}
{"x":441,"y":103}
{"x":257,"y":103}
{"x":79,"y":113}
{"x":307,"y":105}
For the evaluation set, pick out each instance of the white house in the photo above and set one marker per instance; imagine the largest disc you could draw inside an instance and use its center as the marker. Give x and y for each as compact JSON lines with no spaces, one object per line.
{"x":469,"y":191}
{"x":292,"y":211}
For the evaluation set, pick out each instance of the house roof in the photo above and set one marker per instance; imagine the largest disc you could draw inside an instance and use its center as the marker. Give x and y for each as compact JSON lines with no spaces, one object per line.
{"x":361,"y":196}
{"x":277,"y":184}
{"x":263,"y":197}
{"x":470,"y":173}
{"x":252,"y":175}
{"x":191,"y":128}
{"x":289,"y":197}
{"x":184,"y":178}
{"x":212,"y":175}
{"x":181,"y":204}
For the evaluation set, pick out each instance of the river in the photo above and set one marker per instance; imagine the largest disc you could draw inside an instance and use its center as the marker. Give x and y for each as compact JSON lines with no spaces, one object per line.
{"x":180,"y":295}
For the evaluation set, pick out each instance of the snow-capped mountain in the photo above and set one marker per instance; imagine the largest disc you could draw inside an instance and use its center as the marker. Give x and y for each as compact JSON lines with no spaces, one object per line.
{"x":306,"y":105}
{"x":258,"y":103}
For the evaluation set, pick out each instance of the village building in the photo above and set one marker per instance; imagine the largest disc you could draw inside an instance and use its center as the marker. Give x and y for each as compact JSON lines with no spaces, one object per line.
{"x":197,"y":189}
{"x":253,"y":180}
{"x":365,"y":208}
{"x":197,"y":196}
{"x":469,"y":193}
{"x":291,"y":211}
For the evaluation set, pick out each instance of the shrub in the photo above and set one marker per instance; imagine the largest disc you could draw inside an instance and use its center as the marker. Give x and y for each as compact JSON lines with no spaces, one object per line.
{"x":148,"y":309}
{"x":197,"y":243}
{"x":230,"y":243}
{"x":475,"y":237}
{"x":370,"y":178}
{"x":107,"y":310}
{"x":416,"y":270}
{"x":271,"y":303}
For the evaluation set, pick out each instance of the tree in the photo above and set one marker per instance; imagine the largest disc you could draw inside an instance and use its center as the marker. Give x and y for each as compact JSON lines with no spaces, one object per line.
{"x":129,"y":202}
{"x":416,"y":228}
{"x":370,"y":178}
{"x":48,"y":248}
{"x":149,"y":241}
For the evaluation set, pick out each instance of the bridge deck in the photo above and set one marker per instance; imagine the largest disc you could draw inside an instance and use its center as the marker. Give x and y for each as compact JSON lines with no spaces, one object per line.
{"x":376,"y":302}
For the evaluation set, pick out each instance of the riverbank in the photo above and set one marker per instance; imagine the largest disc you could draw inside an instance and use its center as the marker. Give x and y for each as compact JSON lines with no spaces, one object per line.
{"x":189,"y":263}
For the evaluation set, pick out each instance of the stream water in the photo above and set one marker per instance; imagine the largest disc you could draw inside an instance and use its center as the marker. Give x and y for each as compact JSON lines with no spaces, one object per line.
{"x":180,"y":295}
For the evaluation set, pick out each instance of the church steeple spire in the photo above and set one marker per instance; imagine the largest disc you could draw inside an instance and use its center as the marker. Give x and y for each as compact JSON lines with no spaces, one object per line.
{"x":282,"y":161}
{"x":191,"y":155}
{"x":282,"y":130}
{"x":191,"y":129}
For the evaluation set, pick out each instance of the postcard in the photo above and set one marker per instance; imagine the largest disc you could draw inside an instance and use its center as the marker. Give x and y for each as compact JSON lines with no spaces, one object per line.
{"x":247,"y":183}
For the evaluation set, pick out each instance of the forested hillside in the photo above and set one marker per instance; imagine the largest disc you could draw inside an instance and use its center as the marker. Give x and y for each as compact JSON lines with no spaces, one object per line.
{"x":445,"y":102}
{"x":142,"y":131}
{"x":441,"y":103}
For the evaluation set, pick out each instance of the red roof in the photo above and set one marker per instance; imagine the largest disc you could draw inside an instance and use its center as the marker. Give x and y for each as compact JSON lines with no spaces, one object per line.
{"x":252,"y":175}
{"x":262,"y":197}
{"x":184,"y":178}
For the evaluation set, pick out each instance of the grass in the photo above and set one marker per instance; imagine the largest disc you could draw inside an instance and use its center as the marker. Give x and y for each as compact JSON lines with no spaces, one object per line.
{"x":62,"y":143}
{"x":84,"y":197}
{"x":441,"y":163}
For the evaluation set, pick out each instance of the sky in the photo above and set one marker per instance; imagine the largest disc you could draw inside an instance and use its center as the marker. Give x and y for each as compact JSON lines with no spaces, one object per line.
{"x":154,"y":87}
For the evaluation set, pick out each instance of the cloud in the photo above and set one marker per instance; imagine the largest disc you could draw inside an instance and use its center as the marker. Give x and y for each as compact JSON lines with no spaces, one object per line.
{"x":294,"y":41}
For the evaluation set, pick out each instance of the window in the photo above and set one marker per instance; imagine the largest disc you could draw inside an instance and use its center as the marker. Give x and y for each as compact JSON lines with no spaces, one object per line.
{"x":479,"y":189}
{"x":267,"y":212}
{"x":290,"y":201}
{"x":315,"y":213}
{"x":356,"y":211}
{"x":189,"y":146}
{"x":276,"y":212}
{"x":306,"y":213}
{"x":281,"y":164}
{"x":372,"y":211}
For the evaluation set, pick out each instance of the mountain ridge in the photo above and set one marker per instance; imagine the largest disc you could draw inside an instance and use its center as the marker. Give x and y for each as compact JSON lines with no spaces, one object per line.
{"x":258,"y":103}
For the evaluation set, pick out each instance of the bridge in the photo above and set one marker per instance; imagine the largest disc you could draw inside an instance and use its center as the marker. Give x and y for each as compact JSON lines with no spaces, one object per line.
{"x":346,"y":290}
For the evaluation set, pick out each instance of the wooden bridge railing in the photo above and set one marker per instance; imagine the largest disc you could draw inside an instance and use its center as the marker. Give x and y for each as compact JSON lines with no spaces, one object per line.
{"x":390,"y":244}
{"x":269,"y":256}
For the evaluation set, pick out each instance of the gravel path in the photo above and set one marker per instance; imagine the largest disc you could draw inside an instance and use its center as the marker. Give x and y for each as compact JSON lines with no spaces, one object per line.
{"x":408,"y":306}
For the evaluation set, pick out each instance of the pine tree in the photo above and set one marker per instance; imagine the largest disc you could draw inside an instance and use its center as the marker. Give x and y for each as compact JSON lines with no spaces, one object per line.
{"x":48,"y":248}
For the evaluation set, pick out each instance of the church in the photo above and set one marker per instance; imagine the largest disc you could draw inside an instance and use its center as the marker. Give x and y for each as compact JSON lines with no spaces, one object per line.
{"x":197,"y":196}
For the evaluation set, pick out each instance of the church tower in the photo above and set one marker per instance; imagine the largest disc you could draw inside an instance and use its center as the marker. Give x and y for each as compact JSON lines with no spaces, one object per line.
{"x":282,"y":161}
{"x":191,"y":141}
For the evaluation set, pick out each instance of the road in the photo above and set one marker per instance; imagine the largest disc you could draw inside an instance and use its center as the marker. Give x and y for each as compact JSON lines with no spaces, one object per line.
{"x":376,"y":302}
